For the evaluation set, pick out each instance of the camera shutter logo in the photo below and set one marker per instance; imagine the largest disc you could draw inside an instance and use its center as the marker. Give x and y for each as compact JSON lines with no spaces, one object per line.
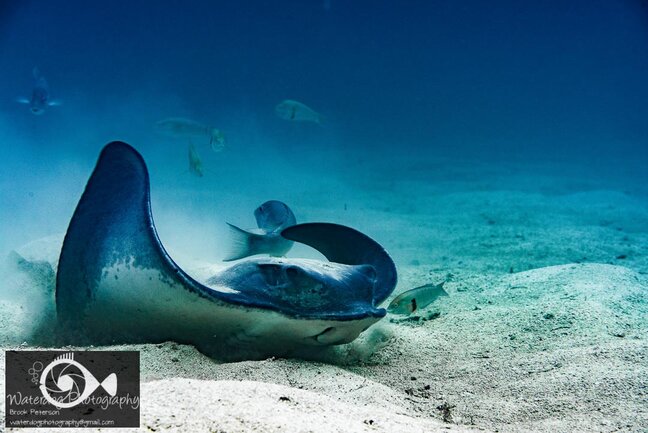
{"x":70,"y":383}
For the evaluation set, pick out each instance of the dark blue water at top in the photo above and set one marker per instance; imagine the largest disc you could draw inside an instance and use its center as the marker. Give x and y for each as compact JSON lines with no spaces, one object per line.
{"x":431,"y":74}
{"x":501,"y":80}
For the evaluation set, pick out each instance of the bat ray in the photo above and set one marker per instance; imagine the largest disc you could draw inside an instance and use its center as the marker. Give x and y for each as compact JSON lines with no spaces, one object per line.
{"x":117,"y":284}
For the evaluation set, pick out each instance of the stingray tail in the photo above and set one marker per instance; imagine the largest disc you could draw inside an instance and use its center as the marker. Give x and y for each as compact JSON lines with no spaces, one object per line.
{"x":243,"y":244}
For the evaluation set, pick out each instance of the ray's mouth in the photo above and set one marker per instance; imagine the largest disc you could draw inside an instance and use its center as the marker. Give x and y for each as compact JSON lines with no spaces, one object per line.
{"x":321,"y":338}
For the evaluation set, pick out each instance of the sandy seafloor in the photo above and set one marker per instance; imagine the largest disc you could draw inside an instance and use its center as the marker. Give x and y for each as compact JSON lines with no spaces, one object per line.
{"x":545,"y":328}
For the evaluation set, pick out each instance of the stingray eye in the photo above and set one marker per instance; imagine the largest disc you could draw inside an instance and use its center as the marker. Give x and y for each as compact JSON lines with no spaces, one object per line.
{"x":293,"y":271}
{"x":271,"y":274}
{"x":297,"y":275}
{"x":300,"y":279}
{"x":369,"y":272}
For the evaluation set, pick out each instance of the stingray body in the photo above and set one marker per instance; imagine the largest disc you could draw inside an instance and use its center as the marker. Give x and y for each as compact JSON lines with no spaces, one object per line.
{"x":117,"y":284}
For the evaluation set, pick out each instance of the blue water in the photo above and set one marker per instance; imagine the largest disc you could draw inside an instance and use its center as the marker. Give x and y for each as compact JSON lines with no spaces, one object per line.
{"x":402,"y":85}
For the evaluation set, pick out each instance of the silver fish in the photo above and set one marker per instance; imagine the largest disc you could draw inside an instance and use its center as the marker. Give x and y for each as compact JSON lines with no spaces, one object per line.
{"x":40,"y":98}
{"x":415,"y":299}
{"x":297,"y":112}
{"x":195,"y":163}
{"x":179,"y":127}
{"x":272,"y":218}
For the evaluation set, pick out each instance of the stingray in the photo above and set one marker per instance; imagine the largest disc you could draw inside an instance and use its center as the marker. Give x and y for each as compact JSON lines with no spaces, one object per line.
{"x":116,"y":283}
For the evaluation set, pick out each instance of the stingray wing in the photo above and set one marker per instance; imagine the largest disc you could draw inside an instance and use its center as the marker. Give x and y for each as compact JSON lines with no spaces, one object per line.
{"x":113,"y":225}
{"x":345,"y":245}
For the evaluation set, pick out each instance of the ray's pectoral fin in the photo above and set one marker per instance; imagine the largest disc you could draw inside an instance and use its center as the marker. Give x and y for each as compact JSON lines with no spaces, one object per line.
{"x":111,"y":226}
{"x":345,"y":245}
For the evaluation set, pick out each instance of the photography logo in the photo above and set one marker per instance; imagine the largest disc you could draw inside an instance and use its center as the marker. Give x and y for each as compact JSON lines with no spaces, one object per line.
{"x":72,"y":389}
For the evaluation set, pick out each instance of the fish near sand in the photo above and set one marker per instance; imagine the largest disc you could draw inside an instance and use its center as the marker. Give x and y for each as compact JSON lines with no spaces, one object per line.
{"x":40,"y":98}
{"x":195,"y":163}
{"x":415,"y":299}
{"x":178,"y":127}
{"x":116,"y":283}
{"x":272,"y":218}
{"x":295,"y":111}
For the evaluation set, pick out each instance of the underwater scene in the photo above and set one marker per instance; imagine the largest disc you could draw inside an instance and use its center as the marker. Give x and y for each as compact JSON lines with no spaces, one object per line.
{"x":326,"y":215}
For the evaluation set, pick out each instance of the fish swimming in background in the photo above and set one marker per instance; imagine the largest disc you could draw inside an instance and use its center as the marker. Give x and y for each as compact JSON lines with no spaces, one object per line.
{"x":178,"y":127}
{"x":40,"y":98}
{"x":297,"y":112}
{"x":195,"y":163}
{"x":415,"y":299}
{"x":272,"y":217}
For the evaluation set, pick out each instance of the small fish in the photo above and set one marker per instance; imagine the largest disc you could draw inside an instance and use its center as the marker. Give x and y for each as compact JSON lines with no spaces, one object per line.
{"x":178,"y":127}
{"x":272,"y":217}
{"x":195,"y":164}
{"x":40,"y":98}
{"x":417,"y":298}
{"x":297,"y":112}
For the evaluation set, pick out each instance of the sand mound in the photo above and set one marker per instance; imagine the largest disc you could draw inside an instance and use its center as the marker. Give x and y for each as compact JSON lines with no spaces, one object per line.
{"x":244,"y":406}
{"x":533,"y":350}
{"x":560,"y":348}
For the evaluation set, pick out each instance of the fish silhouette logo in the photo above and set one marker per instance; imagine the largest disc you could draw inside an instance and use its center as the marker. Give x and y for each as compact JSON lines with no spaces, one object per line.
{"x":66,"y":383}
